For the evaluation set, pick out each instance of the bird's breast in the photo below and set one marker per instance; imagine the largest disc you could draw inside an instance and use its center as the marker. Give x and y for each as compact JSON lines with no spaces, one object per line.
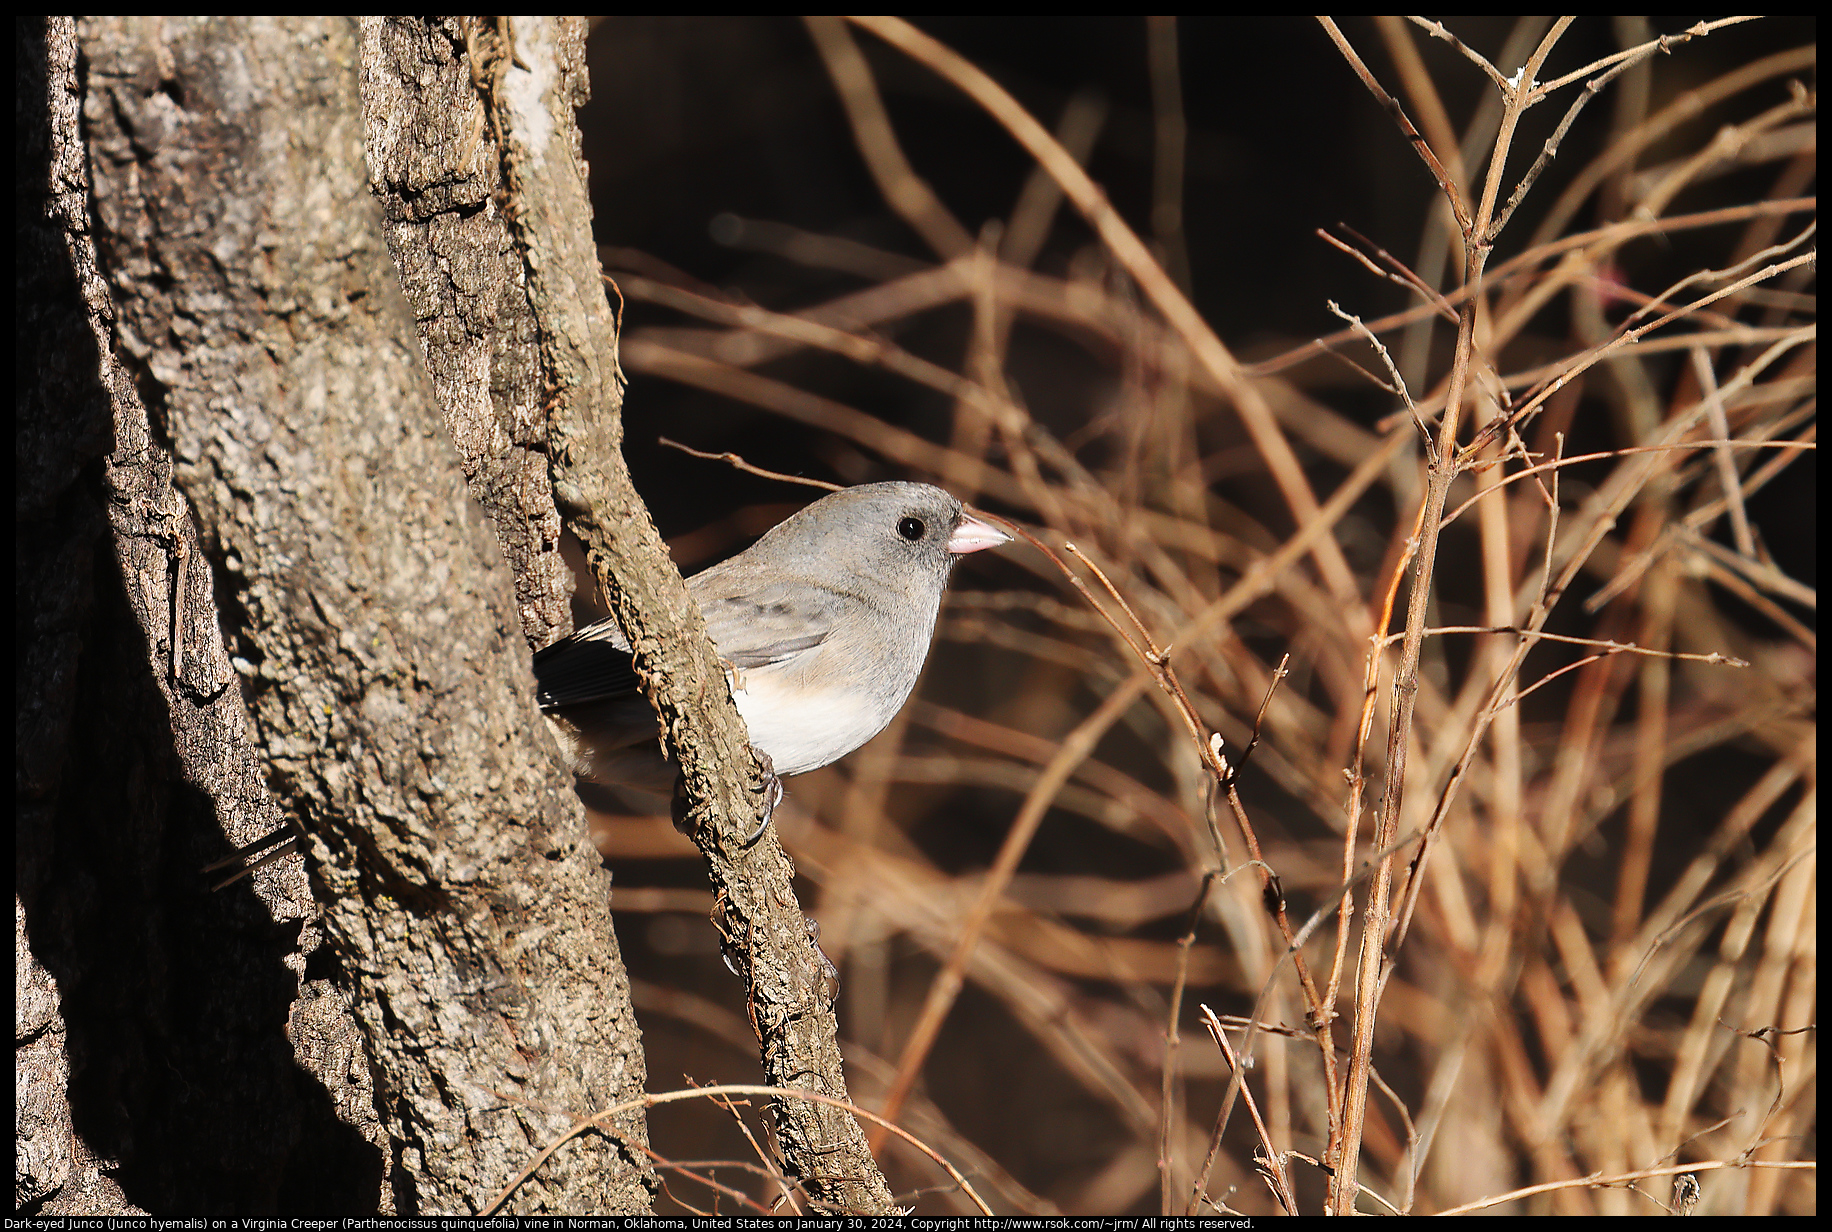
{"x":803,"y":728}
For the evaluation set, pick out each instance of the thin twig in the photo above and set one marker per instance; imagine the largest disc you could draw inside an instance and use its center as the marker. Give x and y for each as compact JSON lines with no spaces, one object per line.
{"x":602,"y":1119}
{"x":1597,"y":1180}
{"x":1278,"y":1173}
{"x":1420,"y":146}
{"x":733,"y":459}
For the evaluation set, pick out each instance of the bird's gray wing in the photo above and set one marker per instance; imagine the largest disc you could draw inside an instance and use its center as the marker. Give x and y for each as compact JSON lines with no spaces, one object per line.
{"x":770,"y":624}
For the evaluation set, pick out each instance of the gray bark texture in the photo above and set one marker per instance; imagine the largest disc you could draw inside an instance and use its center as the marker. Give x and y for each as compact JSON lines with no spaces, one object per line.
{"x":279,"y":470}
{"x":312,"y":337}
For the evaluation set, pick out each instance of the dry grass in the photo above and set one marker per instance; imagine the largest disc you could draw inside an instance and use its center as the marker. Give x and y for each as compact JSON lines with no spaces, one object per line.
{"x":1570,"y":778}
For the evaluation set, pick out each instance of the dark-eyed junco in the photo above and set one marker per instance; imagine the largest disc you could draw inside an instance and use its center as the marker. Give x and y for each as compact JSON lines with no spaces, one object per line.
{"x":823,"y":624}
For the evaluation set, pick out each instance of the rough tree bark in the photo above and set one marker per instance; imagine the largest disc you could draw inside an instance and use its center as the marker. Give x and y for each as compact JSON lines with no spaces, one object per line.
{"x":421,"y":76}
{"x":266,"y":503}
{"x":290,"y":465}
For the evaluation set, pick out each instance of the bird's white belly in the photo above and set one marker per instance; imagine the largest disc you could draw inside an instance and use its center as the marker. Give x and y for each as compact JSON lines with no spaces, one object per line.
{"x":802,"y":729}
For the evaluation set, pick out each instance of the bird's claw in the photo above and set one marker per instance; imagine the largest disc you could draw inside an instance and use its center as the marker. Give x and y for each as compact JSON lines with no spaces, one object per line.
{"x":772,"y":794}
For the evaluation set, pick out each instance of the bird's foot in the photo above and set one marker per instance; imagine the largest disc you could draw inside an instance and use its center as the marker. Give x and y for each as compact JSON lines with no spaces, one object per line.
{"x":772,"y":794}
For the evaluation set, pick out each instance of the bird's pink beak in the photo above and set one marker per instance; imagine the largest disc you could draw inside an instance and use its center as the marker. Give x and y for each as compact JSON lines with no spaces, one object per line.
{"x":973,"y":535}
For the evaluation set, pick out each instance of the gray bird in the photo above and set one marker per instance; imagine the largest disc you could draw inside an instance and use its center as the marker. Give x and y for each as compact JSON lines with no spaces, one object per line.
{"x":824,"y":624}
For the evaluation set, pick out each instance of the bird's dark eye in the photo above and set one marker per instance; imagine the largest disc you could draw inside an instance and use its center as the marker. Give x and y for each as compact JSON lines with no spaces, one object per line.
{"x":911,"y":529}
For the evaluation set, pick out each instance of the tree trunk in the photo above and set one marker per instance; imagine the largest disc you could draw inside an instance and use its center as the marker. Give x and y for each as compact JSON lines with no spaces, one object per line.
{"x":255,"y":589}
